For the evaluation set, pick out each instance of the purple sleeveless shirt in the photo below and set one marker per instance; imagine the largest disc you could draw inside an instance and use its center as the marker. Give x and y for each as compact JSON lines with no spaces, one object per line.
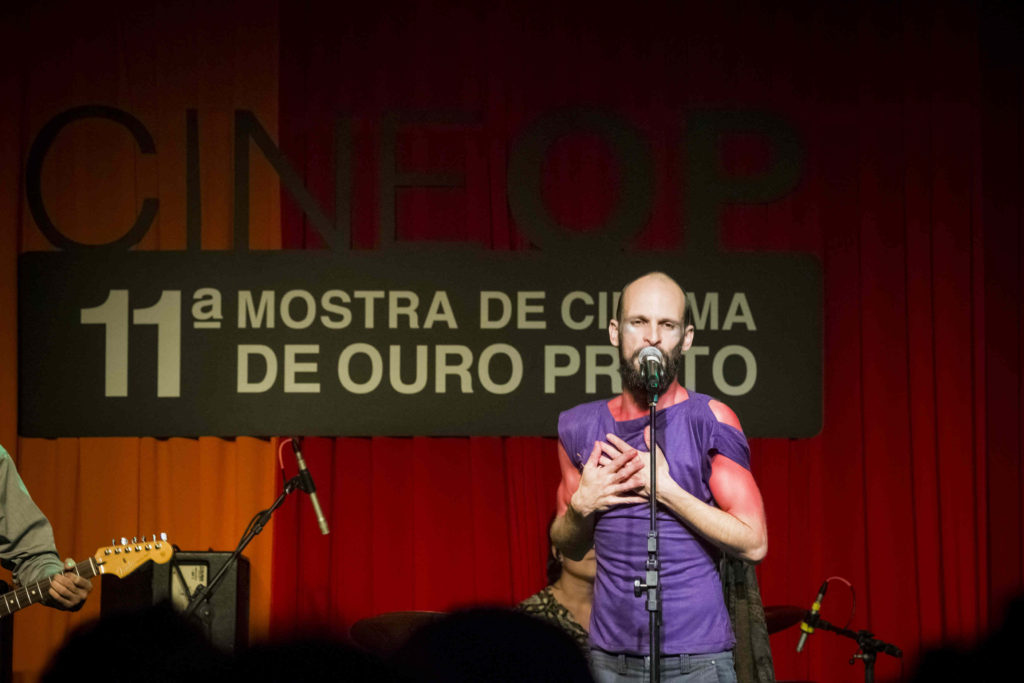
{"x":694,"y":617}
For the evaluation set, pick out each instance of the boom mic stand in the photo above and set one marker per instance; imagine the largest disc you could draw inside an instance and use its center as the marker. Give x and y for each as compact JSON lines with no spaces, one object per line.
{"x":204,"y":593}
{"x":652,"y":584}
{"x":869,"y":645}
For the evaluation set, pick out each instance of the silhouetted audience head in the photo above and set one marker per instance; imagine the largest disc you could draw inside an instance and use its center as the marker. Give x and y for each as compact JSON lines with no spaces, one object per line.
{"x":492,"y":645}
{"x":158,"y":644}
{"x":153,"y":644}
{"x":991,"y":660}
{"x":311,"y":659}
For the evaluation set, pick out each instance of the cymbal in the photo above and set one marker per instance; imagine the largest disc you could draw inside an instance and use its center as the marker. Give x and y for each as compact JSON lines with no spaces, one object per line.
{"x":384,"y":634}
{"x":781,"y":617}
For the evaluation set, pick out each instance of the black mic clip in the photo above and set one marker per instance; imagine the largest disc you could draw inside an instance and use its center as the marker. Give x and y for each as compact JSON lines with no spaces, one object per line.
{"x":305,"y":478}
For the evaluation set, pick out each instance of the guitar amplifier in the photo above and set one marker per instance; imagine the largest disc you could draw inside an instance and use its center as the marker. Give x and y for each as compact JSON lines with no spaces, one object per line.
{"x":228,"y":622}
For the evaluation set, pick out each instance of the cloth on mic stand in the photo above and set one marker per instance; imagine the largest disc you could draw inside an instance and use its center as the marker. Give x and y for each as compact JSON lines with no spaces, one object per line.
{"x":752,"y":655}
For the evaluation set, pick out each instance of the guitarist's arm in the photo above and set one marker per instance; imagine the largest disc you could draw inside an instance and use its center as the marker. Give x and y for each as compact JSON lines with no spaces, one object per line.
{"x":26,"y":542}
{"x":68,"y":590}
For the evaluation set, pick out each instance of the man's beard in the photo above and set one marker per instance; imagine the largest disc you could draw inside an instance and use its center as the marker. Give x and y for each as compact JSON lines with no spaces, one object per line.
{"x":633,"y":379}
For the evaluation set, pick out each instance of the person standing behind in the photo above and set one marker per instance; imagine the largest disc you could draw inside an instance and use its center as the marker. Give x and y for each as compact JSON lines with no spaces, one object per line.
{"x":567,"y":599}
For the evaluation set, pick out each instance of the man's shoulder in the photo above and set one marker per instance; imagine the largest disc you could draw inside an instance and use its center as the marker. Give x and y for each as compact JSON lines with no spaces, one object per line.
{"x":698,"y":397}
{"x":693,"y":415}
{"x":698,"y":405}
{"x":714,"y":410}
{"x":583,"y":409}
{"x":582,"y":414}
{"x":576,"y":422}
{"x":6,"y":463}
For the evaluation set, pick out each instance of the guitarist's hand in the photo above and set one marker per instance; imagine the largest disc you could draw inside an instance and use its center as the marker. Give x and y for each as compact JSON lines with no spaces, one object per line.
{"x":68,"y":591}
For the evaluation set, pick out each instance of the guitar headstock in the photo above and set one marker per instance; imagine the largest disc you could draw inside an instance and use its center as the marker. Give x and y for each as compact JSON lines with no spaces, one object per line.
{"x":122,"y":560}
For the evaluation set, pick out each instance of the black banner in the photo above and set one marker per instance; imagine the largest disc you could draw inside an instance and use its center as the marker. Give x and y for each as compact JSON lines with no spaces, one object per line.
{"x":417,"y":341}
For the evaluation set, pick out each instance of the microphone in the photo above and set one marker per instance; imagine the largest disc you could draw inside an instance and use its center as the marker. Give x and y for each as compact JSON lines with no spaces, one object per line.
{"x":309,"y":487}
{"x":815,"y":608}
{"x":652,"y":367}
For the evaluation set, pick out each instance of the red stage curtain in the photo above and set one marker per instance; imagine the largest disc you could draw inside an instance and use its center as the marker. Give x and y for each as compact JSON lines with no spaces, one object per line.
{"x":910,"y":120}
{"x":416,"y":524}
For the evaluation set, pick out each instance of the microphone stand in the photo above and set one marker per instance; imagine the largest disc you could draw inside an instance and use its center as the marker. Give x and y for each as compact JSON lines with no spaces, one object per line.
{"x":203,"y":594}
{"x":869,"y":645}
{"x":652,"y":584}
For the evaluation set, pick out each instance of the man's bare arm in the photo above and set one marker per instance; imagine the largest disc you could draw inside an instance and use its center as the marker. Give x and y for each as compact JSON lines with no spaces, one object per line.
{"x":570,"y":532}
{"x":603,"y":483}
{"x":737,"y":525}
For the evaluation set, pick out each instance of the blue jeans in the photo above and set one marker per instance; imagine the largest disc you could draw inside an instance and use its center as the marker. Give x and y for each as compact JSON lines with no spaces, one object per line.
{"x":716,"y":667}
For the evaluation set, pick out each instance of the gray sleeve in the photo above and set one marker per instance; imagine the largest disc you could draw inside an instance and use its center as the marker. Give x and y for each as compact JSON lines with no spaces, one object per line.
{"x":26,"y":538}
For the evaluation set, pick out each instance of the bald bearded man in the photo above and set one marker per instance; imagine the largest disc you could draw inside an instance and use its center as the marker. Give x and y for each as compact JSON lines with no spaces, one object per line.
{"x":709,"y":502}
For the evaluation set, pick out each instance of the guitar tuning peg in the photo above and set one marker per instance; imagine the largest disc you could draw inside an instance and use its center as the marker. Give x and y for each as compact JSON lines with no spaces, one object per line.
{"x":113,"y":541}
{"x":124,"y":541}
{"x":135,"y":539}
{"x":163,"y":536}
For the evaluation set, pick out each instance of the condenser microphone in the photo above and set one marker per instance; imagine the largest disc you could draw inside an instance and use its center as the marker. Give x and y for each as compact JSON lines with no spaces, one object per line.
{"x":652,"y":367}
{"x":309,"y":487}
{"x":811,"y":617}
